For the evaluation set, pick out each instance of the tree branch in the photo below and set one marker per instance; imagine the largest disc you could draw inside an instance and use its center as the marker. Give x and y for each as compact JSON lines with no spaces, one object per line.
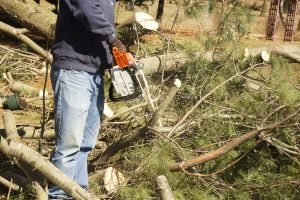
{"x":227,"y":147}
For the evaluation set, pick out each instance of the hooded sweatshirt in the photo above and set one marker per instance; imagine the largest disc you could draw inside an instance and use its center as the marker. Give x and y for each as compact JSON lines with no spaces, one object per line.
{"x":84,"y":32}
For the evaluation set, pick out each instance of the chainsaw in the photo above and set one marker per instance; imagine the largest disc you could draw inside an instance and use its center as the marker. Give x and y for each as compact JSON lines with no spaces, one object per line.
{"x":127,"y":78}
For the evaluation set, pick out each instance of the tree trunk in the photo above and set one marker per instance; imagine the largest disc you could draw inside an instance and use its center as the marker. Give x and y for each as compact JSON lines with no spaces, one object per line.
{"x":263,"y":9}
{"x":170,"y":61}
{"x":160,"y":10}
{"x":283,"y":7}
{"x":30,"y":15}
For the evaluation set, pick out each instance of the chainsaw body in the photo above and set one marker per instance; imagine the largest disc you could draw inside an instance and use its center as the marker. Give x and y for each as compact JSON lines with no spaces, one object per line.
{"x":124,"y":78}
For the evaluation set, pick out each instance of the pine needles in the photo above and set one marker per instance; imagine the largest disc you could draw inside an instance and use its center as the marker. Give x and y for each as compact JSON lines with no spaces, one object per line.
{"x":266,"y":167}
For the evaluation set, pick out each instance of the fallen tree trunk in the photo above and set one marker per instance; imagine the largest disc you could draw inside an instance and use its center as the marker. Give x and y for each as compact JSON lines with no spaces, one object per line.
{"x":27,"y":158}
{"x":227,"y":147}
{"x":169,"y":61}
{"x":30,"y":15}
{"x":45,"y":167}
{"x":12,"y":135}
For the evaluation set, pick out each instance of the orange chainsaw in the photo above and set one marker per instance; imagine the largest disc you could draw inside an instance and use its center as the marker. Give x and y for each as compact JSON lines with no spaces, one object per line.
{"x":125,"y":77}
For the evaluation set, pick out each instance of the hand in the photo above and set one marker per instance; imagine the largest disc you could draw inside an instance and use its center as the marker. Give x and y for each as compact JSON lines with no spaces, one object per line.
{"x":117,"y":43}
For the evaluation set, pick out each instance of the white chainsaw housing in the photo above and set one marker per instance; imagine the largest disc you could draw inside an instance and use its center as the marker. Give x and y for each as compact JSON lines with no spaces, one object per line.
{"x":122,"y":81}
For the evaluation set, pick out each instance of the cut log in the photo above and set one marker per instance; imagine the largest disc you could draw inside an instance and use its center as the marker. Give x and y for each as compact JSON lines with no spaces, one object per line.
{"x":21,"y":88}
{"x":30,"y":15}
{"x":10,"y":126}
{"x":28,"y":159}
{"x":164,"y":188}
{"x":28,"y":132}
{"x":144,"y":20}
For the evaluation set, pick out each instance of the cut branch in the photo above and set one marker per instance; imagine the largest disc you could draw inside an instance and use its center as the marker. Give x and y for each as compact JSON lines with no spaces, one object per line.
{"x":12,"y":135}
{"x":45,"y":167}
{"x":28,"y":159}
{"x":164,"y":187}
{"x":17,"y":33}
{"x":141,"y":133}
{"x":228,"y":147}
{"x":22,"y":88}
{"x":206,"y":96}
{"x":10,"y":184}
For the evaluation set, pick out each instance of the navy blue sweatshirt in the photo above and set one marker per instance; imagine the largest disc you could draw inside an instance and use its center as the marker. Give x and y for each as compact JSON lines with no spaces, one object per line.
{"x":84,"y":32}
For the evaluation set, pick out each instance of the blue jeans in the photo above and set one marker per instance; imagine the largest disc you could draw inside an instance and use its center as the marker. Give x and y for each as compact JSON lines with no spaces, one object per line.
{"x":79,"y":103}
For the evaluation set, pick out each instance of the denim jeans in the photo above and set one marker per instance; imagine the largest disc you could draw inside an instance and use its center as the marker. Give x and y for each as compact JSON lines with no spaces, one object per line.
{"x":79,"y":102}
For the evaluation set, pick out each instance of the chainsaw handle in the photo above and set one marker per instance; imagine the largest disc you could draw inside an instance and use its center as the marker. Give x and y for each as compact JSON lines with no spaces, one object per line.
{"x":123,"y":59}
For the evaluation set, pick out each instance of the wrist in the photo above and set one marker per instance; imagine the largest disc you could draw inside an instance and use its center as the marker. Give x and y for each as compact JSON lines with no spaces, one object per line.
{"x":111,"y":38}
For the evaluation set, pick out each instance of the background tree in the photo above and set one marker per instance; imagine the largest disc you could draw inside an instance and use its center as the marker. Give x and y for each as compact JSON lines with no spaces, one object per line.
{"x":160,"y":10}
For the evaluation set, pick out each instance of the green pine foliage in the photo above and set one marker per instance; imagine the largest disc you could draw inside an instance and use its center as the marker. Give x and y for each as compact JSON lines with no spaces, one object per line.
{"x":262,"y":168}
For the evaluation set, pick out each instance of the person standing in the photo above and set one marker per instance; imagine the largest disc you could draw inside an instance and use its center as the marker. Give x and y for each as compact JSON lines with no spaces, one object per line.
{"x":84,"y":37}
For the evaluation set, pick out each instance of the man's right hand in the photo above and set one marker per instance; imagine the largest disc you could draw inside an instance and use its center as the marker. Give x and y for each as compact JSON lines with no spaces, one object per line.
{"x":117,"y":43}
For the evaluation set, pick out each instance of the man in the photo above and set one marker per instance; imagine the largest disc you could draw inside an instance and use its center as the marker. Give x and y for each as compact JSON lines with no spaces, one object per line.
{"x":84,"y":38}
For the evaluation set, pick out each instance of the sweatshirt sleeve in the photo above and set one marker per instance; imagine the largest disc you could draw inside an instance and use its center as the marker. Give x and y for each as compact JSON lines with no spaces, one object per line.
{"x":91,"y":15}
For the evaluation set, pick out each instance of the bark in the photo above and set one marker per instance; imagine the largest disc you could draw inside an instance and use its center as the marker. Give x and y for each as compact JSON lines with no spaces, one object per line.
{"x":164,"y":187}
{"x":30,"y":15}
{"x":227,"y":147}
{"x":139,"y":134}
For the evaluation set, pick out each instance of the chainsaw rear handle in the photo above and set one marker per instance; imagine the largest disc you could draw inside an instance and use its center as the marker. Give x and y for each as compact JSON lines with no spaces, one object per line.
{"x":123,"y":59}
